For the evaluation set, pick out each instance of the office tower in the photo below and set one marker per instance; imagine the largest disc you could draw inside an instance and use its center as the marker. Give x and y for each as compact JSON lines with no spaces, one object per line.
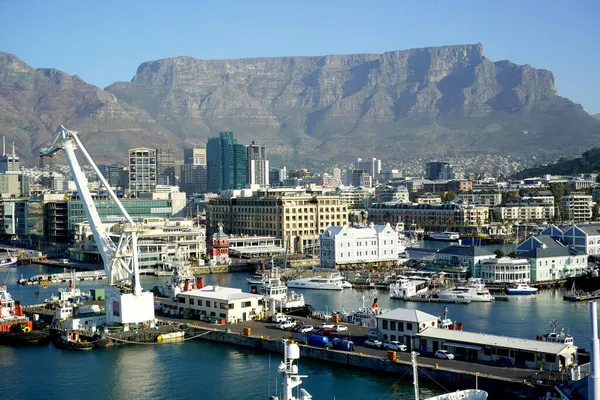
{"x":371,"y":166}
{"x":257,"y":165}
{"x":8,"y":162}
{"x":436,"y":170}
{"x":165,"y":165}
{"x":275,"y":177}
{"x":142,"y":170}
{"x":111,"y":173}
{"x":194,"y":156}
{"x":337,"y":174}
{"x":226,"y":163}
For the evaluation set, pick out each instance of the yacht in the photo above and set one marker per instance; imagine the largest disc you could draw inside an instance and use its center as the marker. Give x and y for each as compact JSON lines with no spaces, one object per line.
{"x":330,"y":282}
{"x":9,"y":260}
{"x":255,"y":279}
{"x":469,"y":394}
{"x":556,"y":337}
{"x":405,"y":287}
{"x":521,"y":289}
{"x":474,"y":290}
{"x":445,"y":236}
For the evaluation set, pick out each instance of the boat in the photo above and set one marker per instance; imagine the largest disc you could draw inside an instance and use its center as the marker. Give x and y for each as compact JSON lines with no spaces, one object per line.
{"x":474,"y":290}
{"x":9,"y":260}
{"x":364,"y":316}
{"x":405,"y":287}
{"x":332,"y":281}
{"x":15,"y":327}
{"x":554,"y":336}
{"x":521,"y":289}
{"x":289,"y":374}
{"x":445,"y":236}
{"x":255,"y":279}
{"x":182,"y":280}
{"x":72,"y":341}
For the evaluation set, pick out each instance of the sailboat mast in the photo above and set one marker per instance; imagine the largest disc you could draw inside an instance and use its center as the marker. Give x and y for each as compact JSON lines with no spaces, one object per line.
{"x":413,"y":359}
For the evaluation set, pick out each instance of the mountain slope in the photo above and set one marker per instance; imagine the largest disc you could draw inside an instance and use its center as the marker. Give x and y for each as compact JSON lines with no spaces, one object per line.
{"x":589,"y":162}
{"x":419,"y":102}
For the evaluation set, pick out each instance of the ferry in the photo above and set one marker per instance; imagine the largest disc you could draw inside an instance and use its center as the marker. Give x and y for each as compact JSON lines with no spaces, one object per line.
{"x":474,"y":290}
{"x":521,"y":289}
{"x":405,"y":287}
{"x":330,"y":282}
{"x":9,"y":260}
{"x":445,"y":236}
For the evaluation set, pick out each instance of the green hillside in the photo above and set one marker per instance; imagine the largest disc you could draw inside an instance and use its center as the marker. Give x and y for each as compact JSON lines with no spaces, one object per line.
{"x":588,"y":162}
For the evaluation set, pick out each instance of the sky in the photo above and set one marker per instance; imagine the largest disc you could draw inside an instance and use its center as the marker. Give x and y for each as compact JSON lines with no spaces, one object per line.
{"x":105,"y":41}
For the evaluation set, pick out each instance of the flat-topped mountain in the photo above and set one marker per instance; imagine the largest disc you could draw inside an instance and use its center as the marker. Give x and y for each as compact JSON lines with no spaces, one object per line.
{"x":419,"y":102}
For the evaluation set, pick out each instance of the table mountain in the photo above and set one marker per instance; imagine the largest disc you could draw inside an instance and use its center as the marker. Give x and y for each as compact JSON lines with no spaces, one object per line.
{"x":418,"y":102}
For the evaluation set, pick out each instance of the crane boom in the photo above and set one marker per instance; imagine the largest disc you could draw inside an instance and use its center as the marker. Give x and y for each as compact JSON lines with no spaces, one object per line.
{"x":121,"y":259}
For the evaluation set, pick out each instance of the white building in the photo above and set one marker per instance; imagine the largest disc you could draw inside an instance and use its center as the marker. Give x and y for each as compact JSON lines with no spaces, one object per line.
{"x":505,"y":270}
{"x":583,"y":238}
{"x":389,"y":193}
{"x":526,"y":212}
{"x":577,"y":207}
{"x":344,"y":245}
{"x":403,"y":324}
{"x":355,"y":197}
{"x":221,"y":303}
{"x":468,"y":256}
{"x":550,"y":259}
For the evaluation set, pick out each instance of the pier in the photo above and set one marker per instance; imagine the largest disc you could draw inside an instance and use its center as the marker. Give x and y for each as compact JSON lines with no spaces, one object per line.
{"x":437,"y":300}
{"x":46,"y":279}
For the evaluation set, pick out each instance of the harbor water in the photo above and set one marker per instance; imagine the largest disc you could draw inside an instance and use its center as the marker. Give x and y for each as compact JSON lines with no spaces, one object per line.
{"x":201,"y":369}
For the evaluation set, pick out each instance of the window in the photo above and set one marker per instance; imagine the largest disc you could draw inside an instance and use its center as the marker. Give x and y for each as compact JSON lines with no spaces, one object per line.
{"x":231,"y":306}
{"x":393,"y":326}
{"x":246,"y":304}
{"x":384,"y":324}
{"x":392,"y":337}
{"x":200,"y":302}
{"x":223,"y":315}
{"x":191,"y":302}
{"x":409,"y":326}
{"x":487,"y":351}
{"x":181,"y":299}
{"x":400,"y":326}
{"x":551,"y":358}
{"x":502,"y":352}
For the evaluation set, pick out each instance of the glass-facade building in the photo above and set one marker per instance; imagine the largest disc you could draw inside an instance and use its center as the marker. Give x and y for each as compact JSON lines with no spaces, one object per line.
{"x":226,"y":163}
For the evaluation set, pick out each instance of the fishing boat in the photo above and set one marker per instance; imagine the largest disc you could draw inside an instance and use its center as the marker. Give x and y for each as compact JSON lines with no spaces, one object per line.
{"x":474,"y":290}
{"x":9,"y":260}
{"x":521,"y":289}
{"x":554,"y":336}
{"x":445,"y":236}
{"x":405,"y":287}
{"x":290,"y":379}
{"x":72,"y":341}
{"x":365,"y":316}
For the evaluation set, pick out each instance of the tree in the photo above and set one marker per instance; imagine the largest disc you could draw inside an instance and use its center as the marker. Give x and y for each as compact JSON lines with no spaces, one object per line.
{"x":499,"y":253}
{"x":595,"y":212}
{"x":448,"y":197}
{"x":495,"y":216}
{"x":558,"y":190}
{"x":512,"y":254}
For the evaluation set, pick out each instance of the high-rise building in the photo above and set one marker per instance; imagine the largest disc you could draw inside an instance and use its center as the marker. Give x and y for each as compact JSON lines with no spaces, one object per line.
{"x":226,"y":163}
{"x":112,"y":173}
{"x":194,"y":156}
{"x":142,"y":170}
{"x":337,"y":174}
{"x":8,"y":162}
{"x":436,"y":170}
{"x":257,"y":165}
{"x":371,"y":166}
{"x":165,"y":165}
{"x":192,"y":179}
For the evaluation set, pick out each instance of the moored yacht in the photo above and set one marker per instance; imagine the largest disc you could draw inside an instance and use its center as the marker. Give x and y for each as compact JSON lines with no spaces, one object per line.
{"x":405,"y":287}
{"x":329,"y":282}
{"x":474,"y":290}
{"x":9,"y":260}
{"x":445,"y":236}
{"x":521,"y":289}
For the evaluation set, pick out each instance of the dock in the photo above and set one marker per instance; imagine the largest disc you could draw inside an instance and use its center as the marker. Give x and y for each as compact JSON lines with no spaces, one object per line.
{"x":582,"y":296}
{"x":47,"y":279}
{"x":436,"y":300}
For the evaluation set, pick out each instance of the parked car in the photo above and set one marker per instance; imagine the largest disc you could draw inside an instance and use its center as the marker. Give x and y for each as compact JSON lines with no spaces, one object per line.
{"x":340,"y":328}
{"x":395,"y":345}
{"x":373,"y":343}
{"x":324,"y":331}
{"x":296,"y":328}
{"x":444,"y":354}
{"x":286,"y":325}
{"x":278,"y":318}
{"x":306,"y":329}
{"x":327,"y":325}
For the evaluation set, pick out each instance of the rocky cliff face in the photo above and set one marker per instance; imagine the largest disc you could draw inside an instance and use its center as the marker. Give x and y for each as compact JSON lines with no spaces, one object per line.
{"x":430,"y":101}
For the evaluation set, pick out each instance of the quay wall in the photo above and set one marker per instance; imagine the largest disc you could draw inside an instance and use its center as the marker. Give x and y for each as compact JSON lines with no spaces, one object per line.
{"x":497,"y":387}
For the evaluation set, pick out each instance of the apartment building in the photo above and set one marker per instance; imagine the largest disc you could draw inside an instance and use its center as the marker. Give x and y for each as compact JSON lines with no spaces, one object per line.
{"x":444,"y":215}
{"x":483,"y":198}
{"x":526,"y":212}
{"x":577,"y":207}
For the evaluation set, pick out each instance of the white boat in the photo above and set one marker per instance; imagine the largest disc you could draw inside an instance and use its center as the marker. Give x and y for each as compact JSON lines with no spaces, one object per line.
{"x":182,"y":280}
{"x":469,"y":394}
{"x":276,"y":294}
{"x":521,"y":289}
{"x":289,"y":374}
{"x":474,"y":290}
{"x":445,"y":236}
{"x":256,"y":279}
{"x":329,"y":282}
{"x":556,"y":337}
{"x":405,"y":287}
{"x":365,"y":316}
{"x":9,"y":260}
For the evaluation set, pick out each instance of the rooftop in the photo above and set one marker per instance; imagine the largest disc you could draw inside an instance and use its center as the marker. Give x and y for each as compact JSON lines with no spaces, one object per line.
{"x":220,"y":293}
{"x":406,"y":314}
{"x":466,"y":251}
{"x":484,"y":339}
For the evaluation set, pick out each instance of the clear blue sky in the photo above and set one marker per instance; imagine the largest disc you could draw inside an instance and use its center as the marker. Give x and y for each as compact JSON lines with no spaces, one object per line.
{"x":105,"y":41}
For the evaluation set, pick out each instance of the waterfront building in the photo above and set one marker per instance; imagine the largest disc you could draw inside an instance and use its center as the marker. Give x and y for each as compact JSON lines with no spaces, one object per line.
{"x":429,"y":198}
{"x":505,"y":270}
{"x":583,"y":238}
{"x":482,"y":347}
{"x":218,"y":247}
{"x":403,"y":324}
{"x":526,"y":212}
{"x":257,"y":165}
{"x":577,"y":207}
{"x":439,"y":170}
{"x":537,"y":197}
{"x":142,"y":170}
{"x":219,"y":303}
{"x":483,"y":198}
{"x":442,"y":216}
{"x":550,"y":259}
{"x":348,"y":246}
{"x":389,"y":193}
{"x":356,"y":197}
{"x":255,"y":246}
{"x":165,"y":166}
{"x":467,"y":256}
{"x":293,"y":214}
{"x":9,"y":162}
{"x":226,"y":163}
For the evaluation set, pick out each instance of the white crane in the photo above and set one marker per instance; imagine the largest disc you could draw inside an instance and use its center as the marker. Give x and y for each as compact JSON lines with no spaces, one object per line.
{"x":127,"y":303}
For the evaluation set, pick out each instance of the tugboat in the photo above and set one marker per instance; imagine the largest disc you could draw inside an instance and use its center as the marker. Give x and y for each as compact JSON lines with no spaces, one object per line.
{"x":16,"y":328}
{"x":72,"y":341}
